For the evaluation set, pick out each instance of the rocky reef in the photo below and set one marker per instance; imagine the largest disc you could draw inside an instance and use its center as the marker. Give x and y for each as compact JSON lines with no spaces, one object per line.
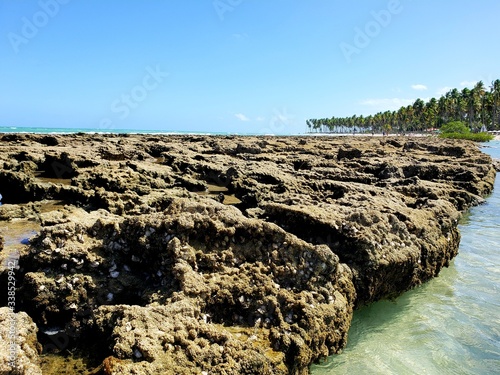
{"x":223,"y":255}
{"x":25,"y":348}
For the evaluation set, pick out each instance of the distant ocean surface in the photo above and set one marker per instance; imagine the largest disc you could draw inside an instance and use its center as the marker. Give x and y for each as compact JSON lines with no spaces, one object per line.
{"x":450,"y":325}
{"x":50,"y":130}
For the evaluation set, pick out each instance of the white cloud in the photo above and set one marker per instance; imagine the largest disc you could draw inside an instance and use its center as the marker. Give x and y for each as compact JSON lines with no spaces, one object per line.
{"x":260,"y":119}
{"x":468,"y":83}
{"x":443,"y":90}
{"x":280,"y":122}
{"x":241,"y":117}
{"x":386,"y":104}
{"x":419,"y":87}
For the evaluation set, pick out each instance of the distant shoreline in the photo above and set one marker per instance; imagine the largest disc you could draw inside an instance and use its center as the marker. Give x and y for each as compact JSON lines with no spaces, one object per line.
{"x":96,"y":131}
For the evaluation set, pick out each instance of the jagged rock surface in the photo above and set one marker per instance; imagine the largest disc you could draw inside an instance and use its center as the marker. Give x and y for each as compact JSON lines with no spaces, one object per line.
{"x":142,"y":255}
{"x":19,"y":348}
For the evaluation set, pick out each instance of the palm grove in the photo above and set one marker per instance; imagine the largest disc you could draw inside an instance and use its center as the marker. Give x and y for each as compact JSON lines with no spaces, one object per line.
{"x":476,"y":107}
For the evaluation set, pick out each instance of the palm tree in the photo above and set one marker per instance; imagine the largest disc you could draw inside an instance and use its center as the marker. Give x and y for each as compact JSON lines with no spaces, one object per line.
{"x":402,"y":119}
{"x":454,"y":108}
{"x":477,"y":100}
{"x":495,"y":95}
{"x":474,"y":106}
{"x":465,"y":105}
{"x":309,"y":125}
{"x":443,"y":111}
{"x":418,"y":110}
{"x":430,"y":113}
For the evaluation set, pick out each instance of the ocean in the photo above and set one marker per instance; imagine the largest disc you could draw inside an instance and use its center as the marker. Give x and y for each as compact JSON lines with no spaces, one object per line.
{"x":450,"y":325}
{"x":52,"y":130}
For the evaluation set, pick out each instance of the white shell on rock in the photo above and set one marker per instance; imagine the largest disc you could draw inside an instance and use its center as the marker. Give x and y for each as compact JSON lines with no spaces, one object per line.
{"x":47,"y":242}
{"x":128,"y":327}
{"x":114,"y":274}
{"x":52,"y":332}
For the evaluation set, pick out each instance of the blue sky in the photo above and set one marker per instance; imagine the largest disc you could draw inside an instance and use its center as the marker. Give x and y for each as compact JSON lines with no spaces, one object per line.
{"x":243,"y":66}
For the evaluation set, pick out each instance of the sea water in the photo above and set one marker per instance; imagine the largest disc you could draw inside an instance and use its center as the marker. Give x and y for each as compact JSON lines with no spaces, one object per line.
{"x":100,"y":130}
{"x":450,"y":325}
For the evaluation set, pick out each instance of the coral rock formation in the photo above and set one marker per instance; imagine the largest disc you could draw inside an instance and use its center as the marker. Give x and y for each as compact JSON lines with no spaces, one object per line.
{"x":228,"y":255}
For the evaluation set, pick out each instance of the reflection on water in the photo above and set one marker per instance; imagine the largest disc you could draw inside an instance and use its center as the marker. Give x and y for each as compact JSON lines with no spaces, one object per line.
{"x":451,"y":325}
{"x":16,"y":233}
{"x":220,"y":191}
{"x":72,"y":363}
{"x":39,"y":176}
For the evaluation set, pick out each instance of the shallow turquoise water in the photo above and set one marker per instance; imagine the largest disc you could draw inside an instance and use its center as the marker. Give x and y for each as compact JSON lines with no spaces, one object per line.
{"x":451,"y":325}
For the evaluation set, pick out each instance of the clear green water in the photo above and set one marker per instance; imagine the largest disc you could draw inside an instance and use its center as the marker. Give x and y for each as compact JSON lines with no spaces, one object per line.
{"x":451,"y":325}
